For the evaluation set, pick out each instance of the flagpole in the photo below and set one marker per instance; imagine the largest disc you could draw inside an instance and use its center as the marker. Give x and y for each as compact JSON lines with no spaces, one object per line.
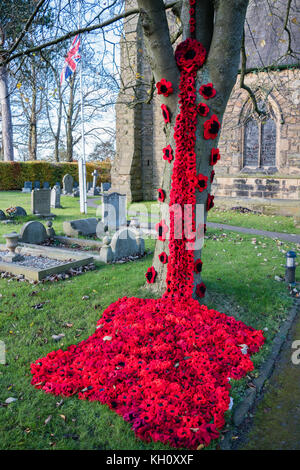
{"x":81,"y":162}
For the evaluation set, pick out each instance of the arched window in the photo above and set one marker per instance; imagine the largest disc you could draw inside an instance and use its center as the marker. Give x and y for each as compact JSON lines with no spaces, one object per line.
{"x":251,"y":142}
{"x":259,"y":147}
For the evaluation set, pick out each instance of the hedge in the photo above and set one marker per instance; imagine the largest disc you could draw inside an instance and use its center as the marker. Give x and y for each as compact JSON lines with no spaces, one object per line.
{"x":14,"y":174}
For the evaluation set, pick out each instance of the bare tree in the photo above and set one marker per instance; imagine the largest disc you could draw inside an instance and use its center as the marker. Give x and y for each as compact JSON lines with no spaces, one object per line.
{"x":7,"y":130}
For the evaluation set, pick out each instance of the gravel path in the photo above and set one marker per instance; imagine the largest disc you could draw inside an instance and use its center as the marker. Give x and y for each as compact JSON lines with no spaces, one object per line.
{"x":38,"y":262}
{"x":282,"y":236}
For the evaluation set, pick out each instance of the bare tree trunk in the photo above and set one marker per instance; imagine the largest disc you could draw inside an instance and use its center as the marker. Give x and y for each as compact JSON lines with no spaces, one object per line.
{"x":69,"y":130}
{"x":219,"y":28}
{"x":7,"y":129}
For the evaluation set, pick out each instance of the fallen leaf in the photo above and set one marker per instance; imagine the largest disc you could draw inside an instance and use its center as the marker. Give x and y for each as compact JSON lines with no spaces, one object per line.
{"x":47,"y":420}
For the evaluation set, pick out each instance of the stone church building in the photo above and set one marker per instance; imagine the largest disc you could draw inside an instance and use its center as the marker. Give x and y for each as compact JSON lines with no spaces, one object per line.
{"x":260,"y":156}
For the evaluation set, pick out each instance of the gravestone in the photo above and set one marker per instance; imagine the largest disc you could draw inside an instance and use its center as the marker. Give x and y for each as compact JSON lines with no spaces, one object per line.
{"x":114,"y":210}
{"x":40,"y":202}
{"x":46,"y":185}
{"x":27,"y":187}
{"x":105,"y":187}
{"x":2,"y":215}
{"x":33,"y":232}
{"x":84,"y":227}
{"x":20,"y":212}
{"x":124,"y":243}
{"x":55,"y":197}
{"x":67,"y":184}
{"x":94,"y":191}
{"x":36,"y":185}
{"x":58,"y":184}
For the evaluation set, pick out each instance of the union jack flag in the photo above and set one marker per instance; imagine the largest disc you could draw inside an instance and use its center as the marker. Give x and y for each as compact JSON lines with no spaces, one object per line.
{"x":72,"y":59}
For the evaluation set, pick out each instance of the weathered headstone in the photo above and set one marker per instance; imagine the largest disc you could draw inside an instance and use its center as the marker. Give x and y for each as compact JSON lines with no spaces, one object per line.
{"x":67,"y":184}
{"x":2,"y":215}
{"x":40,"y":202}
{"x":27,"y":187}
{"x":33,"y":232}
{"x":124,"y":243}
{"x":58,"y":184}
{"x":55,"y":197}
{"x":46,"y":185}
{"x":114,"y":210}
{"x":84,"y":227}
{"x":105,"y":187}
{"x":20,"y":212}
{"x":36,"y":185}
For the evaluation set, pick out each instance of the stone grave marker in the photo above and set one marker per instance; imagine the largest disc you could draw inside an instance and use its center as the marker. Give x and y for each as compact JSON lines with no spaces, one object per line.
{"x":33,"y":232}
{"x":84,"y":227}
{"x":20,"y":212}
{"x":105,"y":187}
{"x":94,"y":191}
{"x":27,"y":187}
{"x":46,"y":185}
{"x":68,"y":184}
{"x":40,"y":202}
{"x":124,"y":243}
{"x":55,"y":197}
{"x":114,"y":210}
{"x":36,"y":185}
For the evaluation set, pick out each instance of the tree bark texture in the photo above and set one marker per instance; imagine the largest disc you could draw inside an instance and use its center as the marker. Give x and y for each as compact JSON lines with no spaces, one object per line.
{"x":219,"y":27}
{"x":7,"y":129}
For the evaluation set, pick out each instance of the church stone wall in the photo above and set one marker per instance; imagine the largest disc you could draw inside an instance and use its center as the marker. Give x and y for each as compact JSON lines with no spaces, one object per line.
{"x":260,"y":157}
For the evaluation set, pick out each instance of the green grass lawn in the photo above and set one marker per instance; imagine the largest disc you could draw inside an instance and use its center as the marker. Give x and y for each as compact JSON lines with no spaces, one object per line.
{"x":240,"y":282}
{"x":272,"y":223}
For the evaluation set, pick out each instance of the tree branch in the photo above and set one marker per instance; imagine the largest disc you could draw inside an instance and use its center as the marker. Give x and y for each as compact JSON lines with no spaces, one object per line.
{"x":73,"y":33}
{"x":158,"y":44}
{"x":27,"y":26}
{"x":242,"y":78}
{"x":223,"y":58}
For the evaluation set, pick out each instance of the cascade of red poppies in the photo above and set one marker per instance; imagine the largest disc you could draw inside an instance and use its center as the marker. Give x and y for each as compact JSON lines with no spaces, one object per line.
{"x":190,"y":56}
{"x":164,"y":364}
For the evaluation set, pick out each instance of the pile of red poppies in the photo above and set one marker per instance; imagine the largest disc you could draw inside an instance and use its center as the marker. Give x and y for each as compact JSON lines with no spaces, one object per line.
{"x":162,"y":364}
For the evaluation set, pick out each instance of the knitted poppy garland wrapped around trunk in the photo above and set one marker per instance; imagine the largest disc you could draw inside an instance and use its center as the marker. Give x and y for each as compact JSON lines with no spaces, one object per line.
{"x":164,"y":364}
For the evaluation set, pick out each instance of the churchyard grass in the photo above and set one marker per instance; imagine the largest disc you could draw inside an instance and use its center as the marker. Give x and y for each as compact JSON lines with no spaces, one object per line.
{"x":273,"y":223}
{"x":240,"y":282}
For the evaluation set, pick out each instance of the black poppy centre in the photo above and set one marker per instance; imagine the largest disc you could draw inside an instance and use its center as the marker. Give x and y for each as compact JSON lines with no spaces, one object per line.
{"x":189,"y":55}
{"x":214,"y":127}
